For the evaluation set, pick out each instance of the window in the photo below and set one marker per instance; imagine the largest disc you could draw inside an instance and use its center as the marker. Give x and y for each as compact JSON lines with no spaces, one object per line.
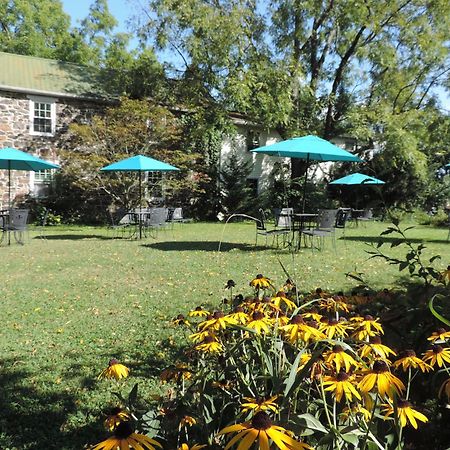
{"x":44,"y":176}
{"x":42,"y":116}
{"x":252,"y":140}
{"x":42,"y":182}
{"x":155,"y":181}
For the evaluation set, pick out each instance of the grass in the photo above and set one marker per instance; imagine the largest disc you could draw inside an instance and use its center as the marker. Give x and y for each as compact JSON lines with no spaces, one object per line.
{"x":75,"y":300}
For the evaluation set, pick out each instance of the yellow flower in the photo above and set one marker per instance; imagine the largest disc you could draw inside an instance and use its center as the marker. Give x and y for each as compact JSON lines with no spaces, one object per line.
{"x":340,"y":385}
{"x":115,"y":370}
{"x":116,"y":416}
{"x":333,"y":328}
{"x":194,"y":447}
{"x":408,"y":359}
{"x":445,"y":275}
{"x":280,"y":299}
{"x":437,"y":355}
{"x":218,"y":322}
{"x":332,"y":305}
{"x":210,"y":344}
{"x":260,"y":404}
{"x":198,"y":312}
{"x":297,"y":329}
{"x":313,"y":314}
{"x":178,"y":372}
{"x":441,"y":334}
{"x":261,"y":429}
{"x":261,"y":282}
{"x":239,"y":316}
{"x":366,"y":327}
{"x":375,"y":349}
{"x":125,"y":438}
{"x":405,"y":413}
{"x":337,"y":358}
{"x":259,"y":322}
{"x":187,"y":421}
{"x":382,"y":380}
{"x":181,"y":320}
{"x":356,"y":410}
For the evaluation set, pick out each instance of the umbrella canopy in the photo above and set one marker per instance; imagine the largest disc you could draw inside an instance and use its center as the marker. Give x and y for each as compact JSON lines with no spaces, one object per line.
{"x":139,"y":164}
{"x":311,"y":148}
{"x":13,"y":159}
{"x":357,"y":178}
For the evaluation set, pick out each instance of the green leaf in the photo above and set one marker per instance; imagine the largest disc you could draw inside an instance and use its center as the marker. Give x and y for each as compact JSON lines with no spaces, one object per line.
{"x":403,"y":265}
{"x":435,"y":313}
{"x":310,"y":422}
{"x":351,"y":438}
{"x":434,"y":258}
{"x":132,"y":397}
{"x":293,"y":374}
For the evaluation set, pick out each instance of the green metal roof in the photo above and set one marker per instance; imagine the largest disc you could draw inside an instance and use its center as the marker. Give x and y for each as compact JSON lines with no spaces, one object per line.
{"x":43,"y":76}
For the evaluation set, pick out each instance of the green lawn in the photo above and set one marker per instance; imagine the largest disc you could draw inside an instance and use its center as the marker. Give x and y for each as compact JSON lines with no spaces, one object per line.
{"x":75,"y":300}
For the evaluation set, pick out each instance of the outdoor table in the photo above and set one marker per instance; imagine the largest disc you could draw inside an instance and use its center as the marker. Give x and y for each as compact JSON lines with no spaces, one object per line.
{"x":301,"y":221}
{"x":356,"y":214}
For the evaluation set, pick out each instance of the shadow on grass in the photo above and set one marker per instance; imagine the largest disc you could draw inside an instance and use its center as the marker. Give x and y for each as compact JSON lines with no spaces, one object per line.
{"x":207,"y":246}
{"x":34,"y":418}
{"x":388,"y":240}
{"x":76,"y":237}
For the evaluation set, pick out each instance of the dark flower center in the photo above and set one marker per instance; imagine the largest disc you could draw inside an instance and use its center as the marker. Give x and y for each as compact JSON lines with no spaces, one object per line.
{"x":123,"y":430}
{"x":115,"y":411}
{"x":407,"y":354}
{"x":368,"y":318}
{"x":297,"y":319}
{"x":337,"y":349}
{"x":402,"y":403}
{"x":267,"y":300}
{"x":375,"y":340}
{"x":208,"y":339}
{"x":239,"y":309}
{"x":113,"y":361}
{"x":332,"y":322}
{"x":218,"y":315}
{"x":257,"y":315}
{"x":313,"y":324}
{"x":437,"y":349}
{"x":441,"y":331}
{"x":259,"y":276}
{"x":319,"y":291}
{"x":281,"y":294}
{"x":380,"y":366}
{"x":261,"y":421}
{"x":180,"y":317}
{"x":230,"y":284}
{"x":199,"y":308}
{"x":342,"y":376}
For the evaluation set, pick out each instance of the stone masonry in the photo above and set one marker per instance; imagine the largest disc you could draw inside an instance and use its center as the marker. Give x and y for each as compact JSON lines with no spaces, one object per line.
{"x":15,"y":133}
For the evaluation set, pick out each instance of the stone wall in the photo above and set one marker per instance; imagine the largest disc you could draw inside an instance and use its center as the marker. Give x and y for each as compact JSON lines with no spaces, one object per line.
{"x":15,"y":133}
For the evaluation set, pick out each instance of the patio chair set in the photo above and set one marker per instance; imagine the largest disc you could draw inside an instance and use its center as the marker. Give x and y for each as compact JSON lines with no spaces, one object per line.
{"x":128,"y":224}
{"x":292,"y":229}
{"x":13,"y":222}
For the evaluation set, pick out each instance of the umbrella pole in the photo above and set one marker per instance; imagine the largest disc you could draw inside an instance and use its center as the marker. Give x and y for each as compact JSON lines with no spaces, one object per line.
{"x":140,"y":205}
{"x":304,"y":183}
{"x":9,"y":200}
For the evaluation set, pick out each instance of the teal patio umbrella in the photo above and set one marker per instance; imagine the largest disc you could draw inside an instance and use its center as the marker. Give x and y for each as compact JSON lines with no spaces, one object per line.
{"x":139,"y":164}
{"x":310,"y":148}
{"x":13,"y":159}
{"x":357,"y":179}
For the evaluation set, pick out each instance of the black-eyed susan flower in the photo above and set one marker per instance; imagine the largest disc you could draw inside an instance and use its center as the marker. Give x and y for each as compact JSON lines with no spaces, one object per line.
{"x":261,"y":282}
{"x":332,"y":305}
{"x":333,"y":328}
{"x":445,"y":275}
{"x":198,"y":312}
{"x":445,"y":389}
{"x":115,"y":417}
{"x":280,"y":299}
{"x":239,"y":316}
{"x":125,"y":438}
{"x":338,"y":358}
{"x":115,"y":370}
{"x":192,"y":447}
{"x":230,"y":284}
{"x":312,"y":314}
{"x":405,"y":413}
{"x":180,"y":320}
{"x":198,"y":337}
{"x":210,"y":344}
{"x":340,"y":385}
{"x":261,"y":430}
{"x":357,"y":411}
{"x":366,"y":327}
{"x":260,"y":404}
{"x":187,"y":421}
{"x":375,"y":349}
{"x":408,"y":359}
{"x":380,"y":379}
{"x":224,"y":384}
{"x":440,"y":335}
{"x":437,"y":355}
{"x":259,"y":322}
{"x":218,"y":322}
{"x":297,"y":330}
{"x":176,"y":373}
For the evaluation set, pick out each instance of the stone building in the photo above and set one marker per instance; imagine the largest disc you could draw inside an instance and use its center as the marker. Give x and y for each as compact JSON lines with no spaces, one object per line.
{"x":39,"y":98}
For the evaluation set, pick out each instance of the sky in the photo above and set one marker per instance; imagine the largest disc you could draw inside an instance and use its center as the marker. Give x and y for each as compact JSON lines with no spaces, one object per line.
{"x":124,"y":10}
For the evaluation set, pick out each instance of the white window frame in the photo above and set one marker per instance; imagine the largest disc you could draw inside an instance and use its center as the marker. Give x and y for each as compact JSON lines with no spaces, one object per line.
{"x":52,"y":103}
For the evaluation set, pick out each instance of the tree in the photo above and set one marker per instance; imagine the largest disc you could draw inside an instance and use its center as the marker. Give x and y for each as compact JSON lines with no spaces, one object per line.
{"x":134,"y":127}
